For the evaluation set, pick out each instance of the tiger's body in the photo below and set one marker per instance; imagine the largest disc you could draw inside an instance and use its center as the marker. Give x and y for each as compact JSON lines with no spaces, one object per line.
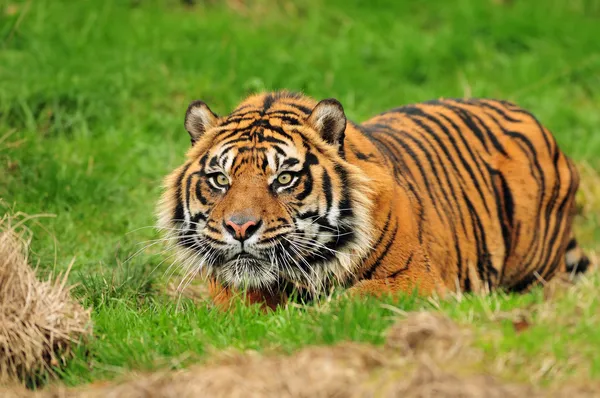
{"x":468,"y":195}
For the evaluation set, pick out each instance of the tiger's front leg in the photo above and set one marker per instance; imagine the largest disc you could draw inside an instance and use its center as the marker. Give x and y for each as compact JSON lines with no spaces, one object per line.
{"x":223,"y":297}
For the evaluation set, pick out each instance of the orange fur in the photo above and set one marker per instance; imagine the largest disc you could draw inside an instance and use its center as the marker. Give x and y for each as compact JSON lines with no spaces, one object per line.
{"x":468,"y":195}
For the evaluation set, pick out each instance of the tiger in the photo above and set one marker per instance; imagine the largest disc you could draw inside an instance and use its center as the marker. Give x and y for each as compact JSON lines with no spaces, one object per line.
{"x":285,"y":194}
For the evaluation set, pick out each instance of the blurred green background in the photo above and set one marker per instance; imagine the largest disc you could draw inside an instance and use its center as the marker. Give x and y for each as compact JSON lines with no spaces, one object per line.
{"x":92,"y":99}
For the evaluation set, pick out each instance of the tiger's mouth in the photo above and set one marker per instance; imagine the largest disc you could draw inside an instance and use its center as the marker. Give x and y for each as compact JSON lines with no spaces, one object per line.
{"x":247,"y":270}
{"x":244,"y":256}
{"x":247,"y":256}
{"x":295,"y":259}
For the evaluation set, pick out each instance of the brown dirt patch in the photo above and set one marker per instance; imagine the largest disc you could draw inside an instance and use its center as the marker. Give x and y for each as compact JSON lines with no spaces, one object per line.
{"x":38,"y":319}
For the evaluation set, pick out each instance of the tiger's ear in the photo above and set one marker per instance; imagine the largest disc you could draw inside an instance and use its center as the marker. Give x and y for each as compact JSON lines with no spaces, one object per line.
{"x":329,"y":120}
{"x":198,"y":119}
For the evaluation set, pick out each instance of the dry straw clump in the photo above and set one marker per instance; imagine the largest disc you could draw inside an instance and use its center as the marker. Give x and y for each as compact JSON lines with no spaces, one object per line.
{"x":39,"y":321}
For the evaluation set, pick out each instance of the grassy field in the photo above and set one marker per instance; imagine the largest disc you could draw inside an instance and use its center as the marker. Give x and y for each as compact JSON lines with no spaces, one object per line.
{"x":92,"y":97}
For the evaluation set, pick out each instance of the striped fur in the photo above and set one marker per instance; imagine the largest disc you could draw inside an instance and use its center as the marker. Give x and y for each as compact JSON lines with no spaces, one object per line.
{"x":467,"y":195}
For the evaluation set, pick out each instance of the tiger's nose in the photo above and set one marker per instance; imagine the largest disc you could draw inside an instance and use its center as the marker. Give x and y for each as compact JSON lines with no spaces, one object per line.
{"x":241,"y":228}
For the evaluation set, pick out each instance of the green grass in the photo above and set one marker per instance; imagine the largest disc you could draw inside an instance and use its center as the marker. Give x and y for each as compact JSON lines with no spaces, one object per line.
{"x":92,"y":96}
{"x":160,"y":333}
{"x":163,"y":333}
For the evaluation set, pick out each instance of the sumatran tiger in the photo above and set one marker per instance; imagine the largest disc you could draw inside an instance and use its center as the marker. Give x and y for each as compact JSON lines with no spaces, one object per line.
{"x":446,"y":195}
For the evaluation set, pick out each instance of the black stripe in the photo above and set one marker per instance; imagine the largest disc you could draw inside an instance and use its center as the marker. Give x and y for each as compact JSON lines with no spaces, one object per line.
{"x":212,"y":229}
{"x":537,"y":173}
{"x":307,"y":187}
{"x":458,"y":152}
{"x":524,"y":283}
{"x":327,"y":190}
{"x":268,"y":102}
{"x":458,"y":133}
{"x":290,"y":162}
{"x":383,"y":254}
{"x":491,"y":135}
{"x":308,"y":215}
{"x":551,"y":204}
{"x":368,"y":274}
{"x":179,"y":214}
{"x":424,"y":174}
{"x":467,"y":119}
{"x":401,"y":270}
{"x":275,"y":228}
{"x":491,"y":105}
{"x":301,"y":108}
{"x":560,"y":224}
{"x":345,"y":205}
{"x":484,"y":267}
{"x":505,"y":213}
{"x":199,"y":216}
{"x":279,"y":150}
{"x":452,"y":205}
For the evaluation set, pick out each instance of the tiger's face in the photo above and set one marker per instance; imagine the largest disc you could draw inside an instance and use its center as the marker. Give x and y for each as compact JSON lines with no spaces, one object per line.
{"x":266,"y":196}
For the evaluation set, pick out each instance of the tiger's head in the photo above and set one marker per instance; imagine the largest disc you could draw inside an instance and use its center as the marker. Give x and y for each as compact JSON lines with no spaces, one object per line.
{"x":266,"y":196}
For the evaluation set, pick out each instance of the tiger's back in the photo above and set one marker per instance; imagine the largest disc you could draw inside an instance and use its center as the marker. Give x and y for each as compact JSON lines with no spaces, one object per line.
{"x":496,"y":194}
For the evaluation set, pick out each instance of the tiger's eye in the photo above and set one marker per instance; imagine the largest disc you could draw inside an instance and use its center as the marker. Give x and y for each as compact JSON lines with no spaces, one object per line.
{"x":284,"y":178}
{"x":222,"y":180}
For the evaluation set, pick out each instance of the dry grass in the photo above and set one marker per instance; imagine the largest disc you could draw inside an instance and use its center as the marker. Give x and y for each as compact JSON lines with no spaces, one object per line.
{"x":38,"y":319}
